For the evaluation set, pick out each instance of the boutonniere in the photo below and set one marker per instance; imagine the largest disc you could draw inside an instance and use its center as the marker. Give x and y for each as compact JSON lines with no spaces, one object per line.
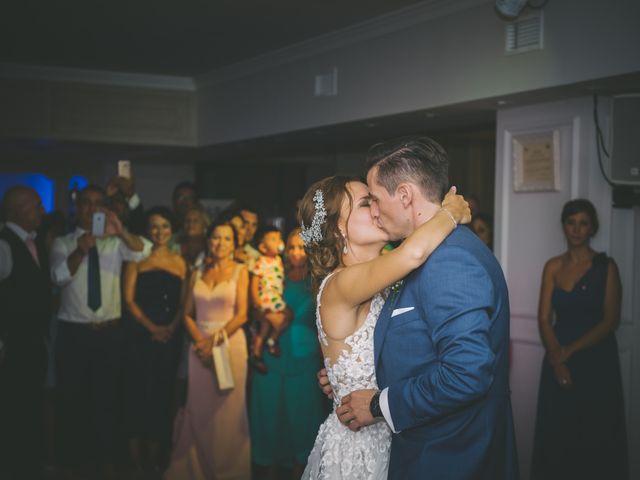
{"x":394,"y":289}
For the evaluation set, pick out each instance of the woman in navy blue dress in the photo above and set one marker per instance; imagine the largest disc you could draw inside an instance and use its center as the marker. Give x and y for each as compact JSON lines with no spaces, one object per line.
{"x":152,"y":291}
{"x":580,"y":427}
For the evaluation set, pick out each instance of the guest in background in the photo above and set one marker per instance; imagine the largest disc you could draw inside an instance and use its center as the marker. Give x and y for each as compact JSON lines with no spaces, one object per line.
{"x":125,"y":202}
{"x":237,"y":222}
{"x":267,"y":286}
{"x":89,"y":345}
{"x":242,"y":254}
{"x":482,"y":226}
{"x":212,"y":433}
{"x":192,"y":240}
{"x":474,"y":204}
{"x":25,"y":296}
{"x":118,"y":204}
{"x":286,"y":408}
{"x":152,"y":291}
{"x":184,"y":197}
{"x":580,"y":427}
{"x":250,"y":217}
{"x":191,"y":244}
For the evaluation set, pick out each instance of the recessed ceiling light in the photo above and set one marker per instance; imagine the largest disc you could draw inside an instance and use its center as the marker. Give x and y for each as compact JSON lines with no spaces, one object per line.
{"x":370,"y":124}
{"x":430,"y":114}
{"x":502,"y":102}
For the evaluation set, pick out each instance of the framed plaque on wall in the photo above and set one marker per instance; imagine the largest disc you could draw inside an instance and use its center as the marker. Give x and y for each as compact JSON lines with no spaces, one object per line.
{"x":536,"y":161}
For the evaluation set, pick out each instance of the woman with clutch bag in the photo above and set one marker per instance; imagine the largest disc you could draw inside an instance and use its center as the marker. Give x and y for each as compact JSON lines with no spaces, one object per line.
{"x":212,"y":432}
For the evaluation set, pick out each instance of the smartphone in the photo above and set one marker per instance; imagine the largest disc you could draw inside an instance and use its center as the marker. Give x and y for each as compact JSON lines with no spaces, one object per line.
{"x":124,"y":168}
{"x":98,"y":224}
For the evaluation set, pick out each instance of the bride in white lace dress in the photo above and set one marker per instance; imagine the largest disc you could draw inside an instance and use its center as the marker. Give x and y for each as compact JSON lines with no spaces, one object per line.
{"x":343,"y":245}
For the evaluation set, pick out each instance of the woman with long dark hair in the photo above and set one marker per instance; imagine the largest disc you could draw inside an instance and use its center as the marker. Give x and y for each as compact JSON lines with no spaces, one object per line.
{"x":580,"y":428}
{"x":152,"y":293}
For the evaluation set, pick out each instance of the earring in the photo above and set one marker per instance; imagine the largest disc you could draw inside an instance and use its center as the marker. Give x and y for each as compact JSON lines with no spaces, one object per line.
{"x":345,"y":250}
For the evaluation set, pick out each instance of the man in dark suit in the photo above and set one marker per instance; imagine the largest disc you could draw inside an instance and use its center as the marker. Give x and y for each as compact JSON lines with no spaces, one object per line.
{"x":441,"y":341}
{"x":25,"y":295}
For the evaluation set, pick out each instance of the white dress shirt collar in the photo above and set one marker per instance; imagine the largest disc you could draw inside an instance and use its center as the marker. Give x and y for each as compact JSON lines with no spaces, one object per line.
{"x":21,"y":232}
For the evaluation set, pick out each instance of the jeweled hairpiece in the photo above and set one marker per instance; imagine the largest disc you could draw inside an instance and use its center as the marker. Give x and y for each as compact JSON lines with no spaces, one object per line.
{"x":313,"y":233}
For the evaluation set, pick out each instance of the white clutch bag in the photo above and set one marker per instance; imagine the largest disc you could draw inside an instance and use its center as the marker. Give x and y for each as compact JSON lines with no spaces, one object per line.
{"x":222,"y":361}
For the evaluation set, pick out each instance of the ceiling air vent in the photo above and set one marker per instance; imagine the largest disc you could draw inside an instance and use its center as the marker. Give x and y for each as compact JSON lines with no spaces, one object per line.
{"x":327,"y":84}
{"x":524,"y":34}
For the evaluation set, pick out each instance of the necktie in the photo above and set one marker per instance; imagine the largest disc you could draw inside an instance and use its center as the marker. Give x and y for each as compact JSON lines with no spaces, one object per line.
{"x":93,"y":280}
{"x":31,"y":246}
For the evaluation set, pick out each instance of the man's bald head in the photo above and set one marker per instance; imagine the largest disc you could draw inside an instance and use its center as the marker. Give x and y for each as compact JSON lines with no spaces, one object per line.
{"x":22,"y":206}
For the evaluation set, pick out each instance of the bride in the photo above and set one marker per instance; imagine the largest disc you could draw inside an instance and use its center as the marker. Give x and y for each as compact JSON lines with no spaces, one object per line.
{"x":343,"y":245}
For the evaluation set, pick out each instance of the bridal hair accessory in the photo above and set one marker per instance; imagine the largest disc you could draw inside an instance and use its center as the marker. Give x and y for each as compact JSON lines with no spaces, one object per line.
{"x":313,"y":233}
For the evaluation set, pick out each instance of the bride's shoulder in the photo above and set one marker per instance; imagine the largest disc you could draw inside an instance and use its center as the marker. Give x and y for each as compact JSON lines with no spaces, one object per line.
{"x":337,"y":319}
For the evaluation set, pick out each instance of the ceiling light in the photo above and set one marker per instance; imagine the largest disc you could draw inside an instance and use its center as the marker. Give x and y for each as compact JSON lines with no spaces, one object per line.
{"x":510,"y":8}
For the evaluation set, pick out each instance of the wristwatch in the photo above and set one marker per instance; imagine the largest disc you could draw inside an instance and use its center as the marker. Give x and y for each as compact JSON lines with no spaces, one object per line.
{"x":374,"y":406}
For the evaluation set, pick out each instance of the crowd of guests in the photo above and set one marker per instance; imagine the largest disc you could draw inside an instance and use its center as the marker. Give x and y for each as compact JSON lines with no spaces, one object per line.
{"x":111,"y":338}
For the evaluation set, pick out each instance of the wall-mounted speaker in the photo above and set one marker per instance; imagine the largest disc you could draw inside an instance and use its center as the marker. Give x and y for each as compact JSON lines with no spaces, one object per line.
{"x":625,"y":140}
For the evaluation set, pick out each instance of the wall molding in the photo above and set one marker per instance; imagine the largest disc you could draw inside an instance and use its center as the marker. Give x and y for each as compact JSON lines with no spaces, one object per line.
{"x":96,"y":77}
{"x":89,"y":112}
{"x":373,"y":28}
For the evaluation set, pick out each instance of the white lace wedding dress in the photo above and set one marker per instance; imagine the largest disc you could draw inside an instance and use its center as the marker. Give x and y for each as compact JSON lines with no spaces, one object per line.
{"x":339,"y":453}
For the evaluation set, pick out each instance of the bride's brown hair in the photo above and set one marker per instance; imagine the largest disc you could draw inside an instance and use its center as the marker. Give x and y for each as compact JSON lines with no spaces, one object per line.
{"x":324,"y":256}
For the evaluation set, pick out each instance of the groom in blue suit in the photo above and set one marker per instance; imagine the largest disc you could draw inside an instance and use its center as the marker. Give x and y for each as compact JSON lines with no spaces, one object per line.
{"x":442,"y":339}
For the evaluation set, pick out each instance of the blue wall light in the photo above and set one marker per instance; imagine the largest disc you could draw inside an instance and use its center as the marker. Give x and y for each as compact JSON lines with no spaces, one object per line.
{"x":41,"y":184}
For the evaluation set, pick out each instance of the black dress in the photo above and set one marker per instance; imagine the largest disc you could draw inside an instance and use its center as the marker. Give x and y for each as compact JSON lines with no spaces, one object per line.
{"x":151,"y":366}
{"x":580,"y":433}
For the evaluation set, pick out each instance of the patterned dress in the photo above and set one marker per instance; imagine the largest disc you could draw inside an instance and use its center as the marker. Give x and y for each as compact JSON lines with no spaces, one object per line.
{"x":271,"y":286}
{"x":339,"y":453}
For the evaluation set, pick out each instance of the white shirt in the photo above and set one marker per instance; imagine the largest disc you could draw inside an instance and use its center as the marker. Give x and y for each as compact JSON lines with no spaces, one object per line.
{"x":73,"y":295}
{"x":384,"y":406}
{"x":6,"y":260}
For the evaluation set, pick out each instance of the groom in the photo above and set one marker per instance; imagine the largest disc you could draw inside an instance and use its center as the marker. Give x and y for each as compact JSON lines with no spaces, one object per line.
{"x":441,"y":341}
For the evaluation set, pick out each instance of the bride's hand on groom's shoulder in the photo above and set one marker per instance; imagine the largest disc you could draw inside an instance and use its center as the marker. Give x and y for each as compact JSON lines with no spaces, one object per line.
{"x":354,"y":411}
{"x":323,"y":383}
{"x":457,"y":206}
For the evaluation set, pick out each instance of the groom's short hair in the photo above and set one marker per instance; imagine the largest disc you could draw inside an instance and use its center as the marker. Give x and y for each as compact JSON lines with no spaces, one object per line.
{"x":416,"y":159}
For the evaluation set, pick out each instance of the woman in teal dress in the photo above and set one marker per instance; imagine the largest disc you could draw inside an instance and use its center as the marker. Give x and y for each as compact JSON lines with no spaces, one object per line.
{"x":286,"y":406}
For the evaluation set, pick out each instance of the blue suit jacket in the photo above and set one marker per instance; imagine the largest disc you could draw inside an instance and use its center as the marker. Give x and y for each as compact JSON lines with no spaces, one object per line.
{"x":445,"y":362}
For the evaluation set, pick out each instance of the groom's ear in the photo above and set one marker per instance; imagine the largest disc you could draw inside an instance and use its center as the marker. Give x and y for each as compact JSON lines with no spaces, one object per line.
{"x":405,"y":194}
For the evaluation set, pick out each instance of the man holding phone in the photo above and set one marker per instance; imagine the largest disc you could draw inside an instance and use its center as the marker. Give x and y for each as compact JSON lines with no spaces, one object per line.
{"x":86,"y":265}
{"x":121,"y":193}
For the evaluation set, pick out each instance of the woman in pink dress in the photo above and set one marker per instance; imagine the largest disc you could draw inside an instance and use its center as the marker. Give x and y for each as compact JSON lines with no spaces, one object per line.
{"x":212,"y":432}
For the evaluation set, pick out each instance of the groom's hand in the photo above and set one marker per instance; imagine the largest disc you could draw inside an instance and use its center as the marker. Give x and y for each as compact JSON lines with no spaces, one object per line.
{"x":354,"y":411}
{"x":323,"y":383}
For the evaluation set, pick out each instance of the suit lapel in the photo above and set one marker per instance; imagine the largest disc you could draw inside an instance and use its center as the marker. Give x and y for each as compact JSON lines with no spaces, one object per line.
{"x":24,"y":249}
{"x":382,"y":325}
